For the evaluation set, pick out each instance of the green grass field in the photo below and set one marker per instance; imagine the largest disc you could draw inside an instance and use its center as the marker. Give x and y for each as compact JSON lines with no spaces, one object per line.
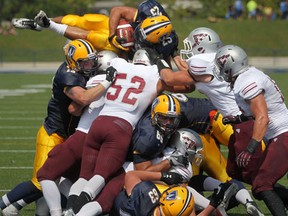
{"x":23,"y":99}
{"x":265,"y":38}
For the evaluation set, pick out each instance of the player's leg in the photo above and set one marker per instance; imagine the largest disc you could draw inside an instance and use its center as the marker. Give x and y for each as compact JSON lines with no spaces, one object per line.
{"x":116,"y":134}
{"x":61,"y":161}
{"x":271,"y":170}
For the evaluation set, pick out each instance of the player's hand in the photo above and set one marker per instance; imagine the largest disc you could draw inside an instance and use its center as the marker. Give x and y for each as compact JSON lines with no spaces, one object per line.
{"x":178,"y":159}
{"x":243,"y":158}
{"x":111,"y":73}
{"x":153,"y":55}
{"x":171,"y":178}
{"x":117,"y":41}
{"x":235,"y":119}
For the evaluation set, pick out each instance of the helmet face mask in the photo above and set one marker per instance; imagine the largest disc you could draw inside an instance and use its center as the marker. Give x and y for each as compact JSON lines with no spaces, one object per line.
{"x":200,"y":40}
{"x":81,"y":57}
{"x":167,"y":123}
{"x":166,"y":113}
{"x":176,"y":200}
{"x":230,"y":61}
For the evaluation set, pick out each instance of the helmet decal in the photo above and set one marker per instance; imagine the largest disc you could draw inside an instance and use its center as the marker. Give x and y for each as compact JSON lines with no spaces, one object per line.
{"x":190,"y":143}
{"x":71,"y":51}
{"x":222,"y":60}
{"x":172,"y":195}
{"x":198,"y":38}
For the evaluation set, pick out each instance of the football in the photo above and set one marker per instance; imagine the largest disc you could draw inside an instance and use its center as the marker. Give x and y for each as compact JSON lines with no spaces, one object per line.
{"x":125,"y":30}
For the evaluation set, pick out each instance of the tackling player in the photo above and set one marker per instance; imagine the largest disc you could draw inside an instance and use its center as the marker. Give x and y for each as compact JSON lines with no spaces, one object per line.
{"x":144,"y":197}
{"x":125,"y":102}
{"x":65,"y":159}
{"x":68,"y":85}
{"x":259,"y":96}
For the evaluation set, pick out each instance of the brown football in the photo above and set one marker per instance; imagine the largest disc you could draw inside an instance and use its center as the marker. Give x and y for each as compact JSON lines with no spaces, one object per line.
{"x":125,"y":30}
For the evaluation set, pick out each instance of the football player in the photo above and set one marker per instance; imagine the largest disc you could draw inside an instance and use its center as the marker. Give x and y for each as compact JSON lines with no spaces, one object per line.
{"x":65,"y":159}
{"x":201,"y":52}
{"x":100,"y":29}
{"x":91,"y":27}
{"x":153,"y":28}
{"x":259,"y":96}
{"x":68,"y":85}
{"x":144,"y":197}
{"x":125,"y":102}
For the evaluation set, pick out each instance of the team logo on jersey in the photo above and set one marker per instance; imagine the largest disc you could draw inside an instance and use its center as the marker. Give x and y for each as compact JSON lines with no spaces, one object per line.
{"x":71,"y":51}
{"x":221,"y":61}
{"x":172,"y":195}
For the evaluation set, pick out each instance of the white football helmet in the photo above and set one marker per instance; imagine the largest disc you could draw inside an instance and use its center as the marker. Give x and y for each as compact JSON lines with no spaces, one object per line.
{"x":104,"y":59}
{"x":188,"y":142}
{"x":141,"y":57}
{"x":230,"y":61}
{"x":200,"y":40}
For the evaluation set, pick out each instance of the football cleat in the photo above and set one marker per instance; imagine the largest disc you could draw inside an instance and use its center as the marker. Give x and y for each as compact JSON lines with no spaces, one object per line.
{"x":25,"y":23}
{"x":252,"y":209}
{"x":42,"y":19}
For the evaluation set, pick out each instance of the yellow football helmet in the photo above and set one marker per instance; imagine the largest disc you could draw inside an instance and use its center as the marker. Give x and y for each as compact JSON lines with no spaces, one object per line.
{"x":176,"y":200}
{"x":166,"y":113}
{"x":154,"y":28}
{"x":81,"y":57}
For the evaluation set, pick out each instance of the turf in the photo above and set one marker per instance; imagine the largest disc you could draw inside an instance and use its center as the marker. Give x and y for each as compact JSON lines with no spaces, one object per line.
{"x":22,"y":113}
{"x":265,"y":38}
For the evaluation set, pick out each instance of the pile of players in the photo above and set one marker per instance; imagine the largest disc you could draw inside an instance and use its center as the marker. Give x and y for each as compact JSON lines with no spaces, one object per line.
{"x":121,"y":138}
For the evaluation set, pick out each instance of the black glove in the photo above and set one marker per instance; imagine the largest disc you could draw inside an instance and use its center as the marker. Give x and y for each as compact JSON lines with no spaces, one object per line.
{"x":117,"y":41}
{"x":236,"y":119}
{"x":178,"y":159}
{"x":111,"y":73}
{"x":223,"y":194}
{"x":171,"y":178}
{"x":153,"y":55}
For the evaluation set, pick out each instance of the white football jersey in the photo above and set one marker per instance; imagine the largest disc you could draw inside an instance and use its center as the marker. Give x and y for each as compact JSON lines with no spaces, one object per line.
{"x":133,"y":90}
{"x":93,"y":110}
{"x":218,"y":92}
{"x":250,"y":84}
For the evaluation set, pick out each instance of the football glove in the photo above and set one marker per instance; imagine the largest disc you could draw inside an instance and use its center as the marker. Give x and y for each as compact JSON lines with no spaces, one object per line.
{"x":156,"y":58}
{"x":236,"y":119}
{"x":244,"y":157}
{"x":117,"y":41}
{"x":171,"y":178}
{"x":153,"y":55}
{"x":111,"y":73}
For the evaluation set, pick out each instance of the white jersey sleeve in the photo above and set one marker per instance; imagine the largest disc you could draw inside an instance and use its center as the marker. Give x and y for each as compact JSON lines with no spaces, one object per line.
{"x":218,"y":92}
{"x":253,"y":82}
{"x":93,"y":110}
